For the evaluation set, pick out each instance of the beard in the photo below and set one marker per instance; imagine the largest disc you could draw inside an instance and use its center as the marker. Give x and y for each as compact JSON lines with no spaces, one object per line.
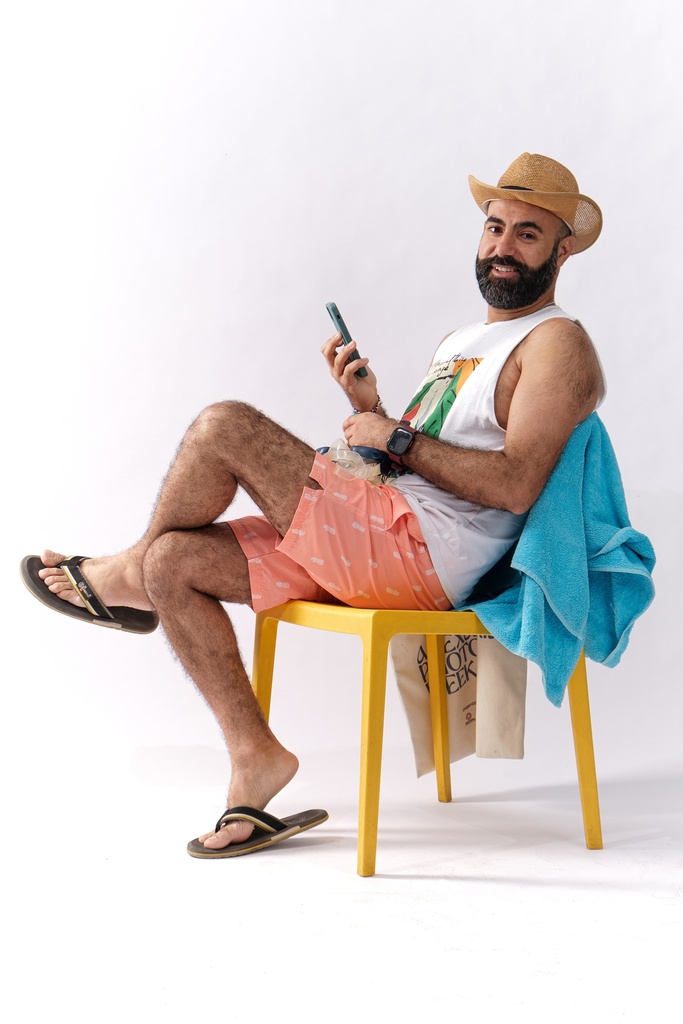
{"x":528,"y":286}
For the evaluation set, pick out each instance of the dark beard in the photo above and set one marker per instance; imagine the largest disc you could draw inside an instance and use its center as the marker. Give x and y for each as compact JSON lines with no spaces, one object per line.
{"x":527,"y":287}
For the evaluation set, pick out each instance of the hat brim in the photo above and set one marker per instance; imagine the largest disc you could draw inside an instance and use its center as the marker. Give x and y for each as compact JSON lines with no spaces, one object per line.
{"x":579,"y":212}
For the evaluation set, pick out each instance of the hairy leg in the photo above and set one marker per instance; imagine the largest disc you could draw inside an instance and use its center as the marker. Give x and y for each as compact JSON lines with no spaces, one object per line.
{"x":187,"y":574}
{"x":230,"y":444}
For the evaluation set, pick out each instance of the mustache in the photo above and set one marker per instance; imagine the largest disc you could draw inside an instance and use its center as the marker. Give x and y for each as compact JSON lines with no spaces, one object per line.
{"x":502,"y":261}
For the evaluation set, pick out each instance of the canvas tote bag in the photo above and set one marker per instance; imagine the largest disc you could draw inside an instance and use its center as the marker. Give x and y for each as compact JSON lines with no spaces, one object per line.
{"x":486,"y":687}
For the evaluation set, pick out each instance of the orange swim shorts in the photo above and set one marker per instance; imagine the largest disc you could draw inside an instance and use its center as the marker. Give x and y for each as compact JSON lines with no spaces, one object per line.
{"x":351,"y":542}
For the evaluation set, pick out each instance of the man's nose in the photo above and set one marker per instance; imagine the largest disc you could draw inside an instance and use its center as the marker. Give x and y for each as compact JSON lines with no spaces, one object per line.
{"x":505,"y":244}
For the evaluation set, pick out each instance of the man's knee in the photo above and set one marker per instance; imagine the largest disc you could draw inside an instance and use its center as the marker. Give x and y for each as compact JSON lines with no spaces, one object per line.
{"x":225,"y":419}
{"x":164,"y":566}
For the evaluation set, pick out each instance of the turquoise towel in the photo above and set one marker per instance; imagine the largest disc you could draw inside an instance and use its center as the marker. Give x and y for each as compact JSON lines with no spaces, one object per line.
{"x":581,"y":573}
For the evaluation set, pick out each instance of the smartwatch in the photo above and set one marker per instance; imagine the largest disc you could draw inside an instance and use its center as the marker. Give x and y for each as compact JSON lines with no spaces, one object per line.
{"x":400,"y":442}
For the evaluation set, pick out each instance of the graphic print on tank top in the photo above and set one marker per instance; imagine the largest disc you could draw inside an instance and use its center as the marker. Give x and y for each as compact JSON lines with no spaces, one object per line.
{"x":428,"y":410}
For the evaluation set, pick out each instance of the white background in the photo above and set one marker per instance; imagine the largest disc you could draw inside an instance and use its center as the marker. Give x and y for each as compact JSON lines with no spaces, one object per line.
{"x":185,"y":184}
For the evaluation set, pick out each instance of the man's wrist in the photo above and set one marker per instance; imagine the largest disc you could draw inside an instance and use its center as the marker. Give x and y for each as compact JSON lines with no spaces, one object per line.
{"x":400,"y":442}
{"x":377,"y":408}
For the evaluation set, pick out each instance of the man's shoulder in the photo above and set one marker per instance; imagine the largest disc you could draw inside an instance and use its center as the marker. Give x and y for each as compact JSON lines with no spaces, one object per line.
{"x":562,"y":333}
{"x":566,"y":346}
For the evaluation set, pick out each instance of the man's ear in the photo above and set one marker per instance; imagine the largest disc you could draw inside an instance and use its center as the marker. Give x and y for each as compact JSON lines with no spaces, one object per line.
{"x":565,"y":249}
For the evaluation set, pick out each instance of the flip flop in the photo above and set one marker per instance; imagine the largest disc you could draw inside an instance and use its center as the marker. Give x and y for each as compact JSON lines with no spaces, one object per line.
{"x":132,"y":620}
{"x":268,"y":831}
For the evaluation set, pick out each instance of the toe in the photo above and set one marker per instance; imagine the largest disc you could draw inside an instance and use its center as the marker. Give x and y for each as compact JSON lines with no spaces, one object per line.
{"x":51,"y":578}
{"x":51,"y":558}
{"x":57,"y":584}
{"x":61,"y":587}
{"x":236,"y":832}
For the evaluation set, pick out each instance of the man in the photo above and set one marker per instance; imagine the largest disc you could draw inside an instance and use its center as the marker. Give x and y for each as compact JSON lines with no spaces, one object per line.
{"x":473,"y":452}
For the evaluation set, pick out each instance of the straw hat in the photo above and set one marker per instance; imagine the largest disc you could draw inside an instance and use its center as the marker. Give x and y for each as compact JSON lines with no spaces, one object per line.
{"x":545,"y":183}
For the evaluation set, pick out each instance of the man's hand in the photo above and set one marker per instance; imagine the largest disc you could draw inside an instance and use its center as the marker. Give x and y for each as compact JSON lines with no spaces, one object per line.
{"x":368,"y":429}
{"x":360,"y":391}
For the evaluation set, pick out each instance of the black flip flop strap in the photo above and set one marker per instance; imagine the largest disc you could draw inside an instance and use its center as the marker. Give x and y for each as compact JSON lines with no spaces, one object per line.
{"x":268,"y":822}
{"x":70,"y":567}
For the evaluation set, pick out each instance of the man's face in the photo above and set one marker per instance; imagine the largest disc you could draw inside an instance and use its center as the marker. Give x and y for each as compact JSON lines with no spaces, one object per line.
{"x":520,"y":252}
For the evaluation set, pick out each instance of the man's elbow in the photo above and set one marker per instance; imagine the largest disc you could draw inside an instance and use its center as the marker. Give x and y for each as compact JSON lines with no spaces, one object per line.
{"x":518,"y":508}
{"x":521,"y":497}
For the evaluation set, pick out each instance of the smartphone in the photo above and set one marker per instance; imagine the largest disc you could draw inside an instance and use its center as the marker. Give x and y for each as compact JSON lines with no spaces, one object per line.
{"x":338,"y":322}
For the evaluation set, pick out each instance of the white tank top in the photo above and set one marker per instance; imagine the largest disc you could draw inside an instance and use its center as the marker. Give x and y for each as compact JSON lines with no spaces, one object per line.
{"x":456,"y":404}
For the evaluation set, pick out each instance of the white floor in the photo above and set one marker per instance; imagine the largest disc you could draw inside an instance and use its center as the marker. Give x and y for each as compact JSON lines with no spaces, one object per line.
{"x":490,"y":905}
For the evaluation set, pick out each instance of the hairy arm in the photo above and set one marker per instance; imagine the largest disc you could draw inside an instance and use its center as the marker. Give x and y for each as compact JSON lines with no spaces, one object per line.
{"x":551,"y":383}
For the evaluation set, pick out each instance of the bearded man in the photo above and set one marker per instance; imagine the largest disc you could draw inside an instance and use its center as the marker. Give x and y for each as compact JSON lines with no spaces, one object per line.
{"x":470,"y":455}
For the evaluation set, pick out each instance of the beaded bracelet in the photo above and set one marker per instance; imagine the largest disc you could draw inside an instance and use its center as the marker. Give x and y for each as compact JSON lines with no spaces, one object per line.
{"x":356,"y":412}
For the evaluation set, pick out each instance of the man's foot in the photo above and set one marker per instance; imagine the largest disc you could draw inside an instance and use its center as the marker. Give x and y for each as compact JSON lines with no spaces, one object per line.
{"x":117,"y":580}
{"x":254,"y":788}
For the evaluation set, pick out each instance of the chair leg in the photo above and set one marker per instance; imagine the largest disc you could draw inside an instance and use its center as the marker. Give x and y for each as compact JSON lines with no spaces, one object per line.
{"x":438,"y":703}
{"x":585,"y":756}
{"x":265,"y":636}
{"x":372,"y":734}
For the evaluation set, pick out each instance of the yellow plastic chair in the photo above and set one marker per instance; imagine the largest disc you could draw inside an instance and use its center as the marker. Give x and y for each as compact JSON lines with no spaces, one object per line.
{"x":376,"y":627}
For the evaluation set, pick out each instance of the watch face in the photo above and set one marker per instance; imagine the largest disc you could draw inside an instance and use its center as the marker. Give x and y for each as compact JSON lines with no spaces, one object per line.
{"x":400,"y":441}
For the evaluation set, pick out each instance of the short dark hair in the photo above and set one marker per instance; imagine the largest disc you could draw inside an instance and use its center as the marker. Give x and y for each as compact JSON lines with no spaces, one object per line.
{"x":563,"y":231}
